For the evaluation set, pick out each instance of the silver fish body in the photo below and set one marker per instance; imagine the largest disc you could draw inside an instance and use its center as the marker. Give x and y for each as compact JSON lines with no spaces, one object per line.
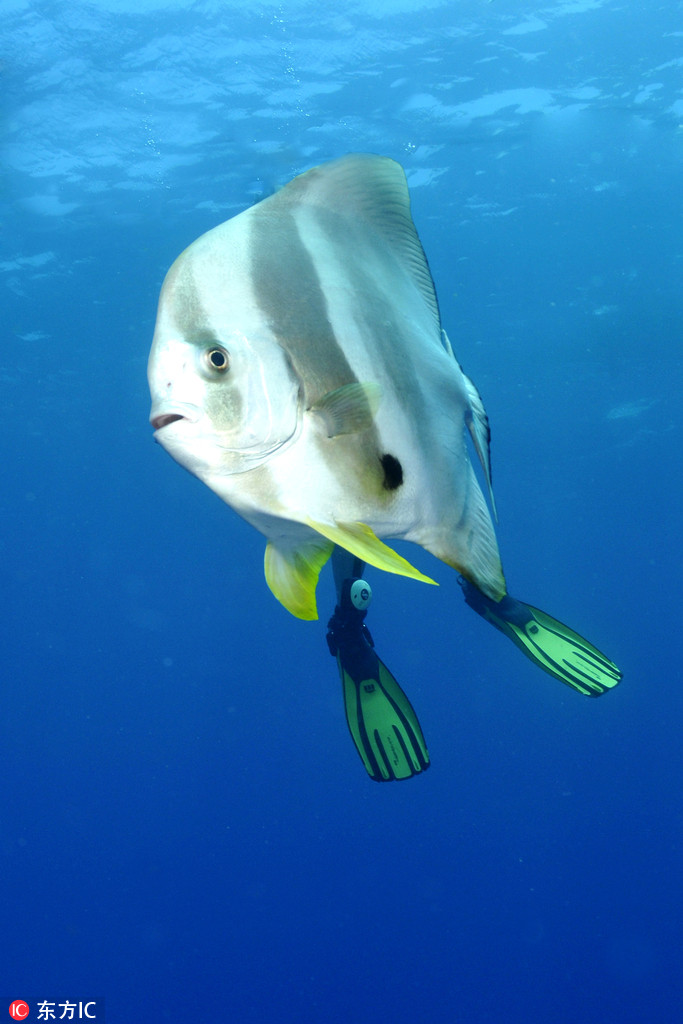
{"x":300,"y":370}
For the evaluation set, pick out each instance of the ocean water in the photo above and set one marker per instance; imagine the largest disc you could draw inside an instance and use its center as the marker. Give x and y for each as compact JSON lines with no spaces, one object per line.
{"x":186,"y":831}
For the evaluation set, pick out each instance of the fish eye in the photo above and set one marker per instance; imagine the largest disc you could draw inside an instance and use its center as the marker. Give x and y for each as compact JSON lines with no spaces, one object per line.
{"x":217,"y":359}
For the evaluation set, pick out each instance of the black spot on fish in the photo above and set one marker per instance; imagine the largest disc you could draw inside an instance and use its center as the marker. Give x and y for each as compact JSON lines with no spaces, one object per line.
{"x":393,"y":472}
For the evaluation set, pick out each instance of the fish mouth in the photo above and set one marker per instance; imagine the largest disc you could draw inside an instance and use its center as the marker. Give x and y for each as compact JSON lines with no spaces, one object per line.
{"x":161,"y":418}
{"x":159,"y":422}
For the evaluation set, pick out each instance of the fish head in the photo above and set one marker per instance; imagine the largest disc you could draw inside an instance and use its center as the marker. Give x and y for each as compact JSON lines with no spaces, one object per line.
{"x":225,"y":397}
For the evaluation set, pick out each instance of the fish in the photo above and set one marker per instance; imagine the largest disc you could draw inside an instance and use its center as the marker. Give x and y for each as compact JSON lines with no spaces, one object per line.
{"x":299,"y":368}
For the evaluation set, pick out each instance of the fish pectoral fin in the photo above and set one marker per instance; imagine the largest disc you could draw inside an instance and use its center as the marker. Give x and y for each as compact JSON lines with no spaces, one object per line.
{"x":348,"y":409}
{"x":292,"y":575}
{"x":360,"y":540}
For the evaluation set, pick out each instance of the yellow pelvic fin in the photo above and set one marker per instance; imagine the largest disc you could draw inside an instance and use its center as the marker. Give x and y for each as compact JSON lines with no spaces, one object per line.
{"x":360,"y":540}
{"x":293,"y":575}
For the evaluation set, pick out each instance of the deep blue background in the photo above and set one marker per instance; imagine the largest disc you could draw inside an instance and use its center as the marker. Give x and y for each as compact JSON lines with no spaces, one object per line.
{"x":185,"y":826}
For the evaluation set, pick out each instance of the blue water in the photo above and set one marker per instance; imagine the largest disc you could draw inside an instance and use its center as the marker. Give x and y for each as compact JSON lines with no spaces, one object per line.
{"x":186,"y":830}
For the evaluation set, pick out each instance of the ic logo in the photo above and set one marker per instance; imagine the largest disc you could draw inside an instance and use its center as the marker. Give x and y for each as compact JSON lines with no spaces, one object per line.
{"x":18,"y":1010}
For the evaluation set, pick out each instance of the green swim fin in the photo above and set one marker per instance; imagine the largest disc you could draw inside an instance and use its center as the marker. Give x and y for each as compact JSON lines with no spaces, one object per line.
{"x":383,"y":724}
{"x":381,"y":720}
{"x":553,"y":646}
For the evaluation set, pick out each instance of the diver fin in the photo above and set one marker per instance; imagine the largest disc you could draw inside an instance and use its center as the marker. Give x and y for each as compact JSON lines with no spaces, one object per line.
{"x":349,"y":409}
{"x":553,"y":646}
{"x":382,"y":723}
{"x":360,"y":540}
{"x":293,"y":575}
{"x":381,"y":720}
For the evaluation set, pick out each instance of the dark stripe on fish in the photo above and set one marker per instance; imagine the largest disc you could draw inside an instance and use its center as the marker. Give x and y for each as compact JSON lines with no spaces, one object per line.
{"x":290,"y":296}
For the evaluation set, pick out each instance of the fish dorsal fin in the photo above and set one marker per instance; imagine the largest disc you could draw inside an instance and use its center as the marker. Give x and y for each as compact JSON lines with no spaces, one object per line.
{"x":373,"y":190}
{"x":478,"y":425}
{"x":292,"y":575}
{"x":349,"y":409}
{"x":360,"y":540}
